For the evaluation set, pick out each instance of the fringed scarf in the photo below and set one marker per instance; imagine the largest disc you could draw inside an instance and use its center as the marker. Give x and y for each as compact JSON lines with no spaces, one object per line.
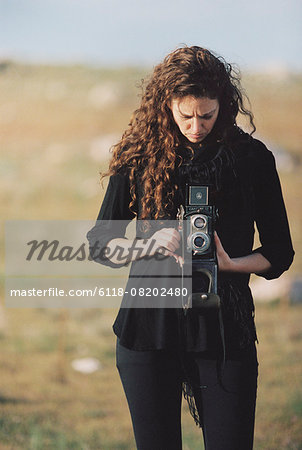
{"x":209,"y":165}
{"x":215,"y":165}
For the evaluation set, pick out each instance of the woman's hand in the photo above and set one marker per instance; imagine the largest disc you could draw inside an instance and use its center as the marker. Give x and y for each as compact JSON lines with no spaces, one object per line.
{"x":253,"y":263}
{"x":225,"y":263}
{"x":166,"y":241}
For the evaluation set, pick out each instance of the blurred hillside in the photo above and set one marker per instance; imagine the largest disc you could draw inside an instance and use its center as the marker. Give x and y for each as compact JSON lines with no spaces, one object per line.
{"x":58,"y":123}
{"x":56,"y":127}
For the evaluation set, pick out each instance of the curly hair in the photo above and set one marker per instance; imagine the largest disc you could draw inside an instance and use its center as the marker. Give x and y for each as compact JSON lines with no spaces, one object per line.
{"x":149,"y":145}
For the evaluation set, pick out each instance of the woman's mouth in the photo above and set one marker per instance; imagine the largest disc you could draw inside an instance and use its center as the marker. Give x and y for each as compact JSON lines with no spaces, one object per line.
{"x":196,"y":136}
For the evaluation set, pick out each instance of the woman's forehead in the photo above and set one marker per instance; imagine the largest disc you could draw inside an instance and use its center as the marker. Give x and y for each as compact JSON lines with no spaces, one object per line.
{"x":188,"y":104}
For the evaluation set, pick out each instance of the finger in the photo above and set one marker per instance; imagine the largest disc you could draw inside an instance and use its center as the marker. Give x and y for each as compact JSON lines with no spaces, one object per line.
{"x":176,"y":234}
{"x":217,"y":240}
{"x":219,"y":247}
{"x":180,"y":260}
{"x":168,"y":238}
{"x":165,"y":252}
{"x":175,"y":238}
{"x":171,"y":245}
{"x":172,"y":233}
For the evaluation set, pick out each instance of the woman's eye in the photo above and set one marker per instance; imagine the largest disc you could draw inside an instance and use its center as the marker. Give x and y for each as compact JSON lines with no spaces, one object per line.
{"x":202,"y":117}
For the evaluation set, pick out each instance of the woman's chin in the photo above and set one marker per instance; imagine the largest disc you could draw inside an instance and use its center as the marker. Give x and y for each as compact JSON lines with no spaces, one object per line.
{"x":195,"y":139}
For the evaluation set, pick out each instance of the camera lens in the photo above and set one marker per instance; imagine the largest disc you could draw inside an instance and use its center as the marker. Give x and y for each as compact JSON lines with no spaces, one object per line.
{"x":199,"y":222}
{"x":199,"y":241}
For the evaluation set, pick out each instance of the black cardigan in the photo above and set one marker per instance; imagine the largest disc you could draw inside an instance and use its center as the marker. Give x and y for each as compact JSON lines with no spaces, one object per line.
{"x":247,"y":192}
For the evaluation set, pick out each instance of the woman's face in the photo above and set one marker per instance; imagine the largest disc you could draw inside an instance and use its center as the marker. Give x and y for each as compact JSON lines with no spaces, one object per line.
{"x":195,"y":117}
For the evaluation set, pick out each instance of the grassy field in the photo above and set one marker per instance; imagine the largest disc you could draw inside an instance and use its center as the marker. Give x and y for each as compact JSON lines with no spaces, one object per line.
{"x":56,"y":126}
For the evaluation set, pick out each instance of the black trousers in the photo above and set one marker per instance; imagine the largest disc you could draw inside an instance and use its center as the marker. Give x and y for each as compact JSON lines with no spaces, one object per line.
{"x":152,"y":381}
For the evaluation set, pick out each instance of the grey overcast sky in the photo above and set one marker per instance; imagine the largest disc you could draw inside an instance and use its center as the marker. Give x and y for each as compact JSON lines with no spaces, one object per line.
{"x":257,"y":34}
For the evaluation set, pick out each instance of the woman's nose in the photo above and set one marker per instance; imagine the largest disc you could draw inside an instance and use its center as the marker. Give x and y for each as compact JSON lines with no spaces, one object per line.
{"x":196,"y":125}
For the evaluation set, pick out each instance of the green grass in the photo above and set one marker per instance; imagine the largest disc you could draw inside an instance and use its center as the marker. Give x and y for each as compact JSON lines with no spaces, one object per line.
{"x":296,"y":404}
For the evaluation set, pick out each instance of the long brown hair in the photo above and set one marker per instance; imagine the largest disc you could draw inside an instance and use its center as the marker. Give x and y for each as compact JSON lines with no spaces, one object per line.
{"x":149,"y":145}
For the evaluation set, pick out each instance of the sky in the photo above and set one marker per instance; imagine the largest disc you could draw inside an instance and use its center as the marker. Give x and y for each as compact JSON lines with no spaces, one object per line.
{"x":256,"y":34}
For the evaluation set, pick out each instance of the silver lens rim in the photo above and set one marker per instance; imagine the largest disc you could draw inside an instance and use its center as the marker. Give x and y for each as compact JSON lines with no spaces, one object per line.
{"x":206,"y":243}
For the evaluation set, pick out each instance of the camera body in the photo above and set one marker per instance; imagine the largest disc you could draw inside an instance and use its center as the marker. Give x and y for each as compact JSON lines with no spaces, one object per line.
{"x":198,"y":223}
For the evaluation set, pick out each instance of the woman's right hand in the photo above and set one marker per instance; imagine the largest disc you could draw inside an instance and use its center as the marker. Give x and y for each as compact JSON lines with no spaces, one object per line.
{"x":166,"y":241}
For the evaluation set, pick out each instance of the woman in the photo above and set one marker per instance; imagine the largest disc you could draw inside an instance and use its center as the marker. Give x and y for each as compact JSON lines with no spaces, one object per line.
{"x":185,"y":132}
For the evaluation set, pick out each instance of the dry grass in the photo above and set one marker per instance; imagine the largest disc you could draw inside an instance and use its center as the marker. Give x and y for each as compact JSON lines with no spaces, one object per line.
{"x":53,"y":121}
{"x":44,"y":400}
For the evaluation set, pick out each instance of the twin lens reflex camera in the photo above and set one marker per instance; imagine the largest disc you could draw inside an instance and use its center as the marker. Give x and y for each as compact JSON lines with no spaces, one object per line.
{"x":196,"y":224}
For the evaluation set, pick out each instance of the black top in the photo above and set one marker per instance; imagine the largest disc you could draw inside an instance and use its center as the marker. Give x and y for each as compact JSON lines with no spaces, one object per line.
{"x":247,"y":191}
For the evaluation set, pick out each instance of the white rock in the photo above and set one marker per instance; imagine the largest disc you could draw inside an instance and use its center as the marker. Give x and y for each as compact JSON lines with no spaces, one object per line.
{"x":86,"y":365}
{"x":267,"y":290}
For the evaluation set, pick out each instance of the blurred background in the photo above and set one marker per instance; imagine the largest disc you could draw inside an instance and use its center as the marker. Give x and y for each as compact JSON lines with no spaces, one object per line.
{"x":70,"y":75}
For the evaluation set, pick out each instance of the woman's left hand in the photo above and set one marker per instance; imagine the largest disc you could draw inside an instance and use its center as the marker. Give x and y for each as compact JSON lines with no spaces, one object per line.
{"x":252,"y":263}
{"x":225,"y":263}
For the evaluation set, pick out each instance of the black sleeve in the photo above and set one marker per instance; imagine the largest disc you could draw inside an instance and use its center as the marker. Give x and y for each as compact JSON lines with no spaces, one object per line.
{"x":113,"y":218}
{"x":271,"y":219}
